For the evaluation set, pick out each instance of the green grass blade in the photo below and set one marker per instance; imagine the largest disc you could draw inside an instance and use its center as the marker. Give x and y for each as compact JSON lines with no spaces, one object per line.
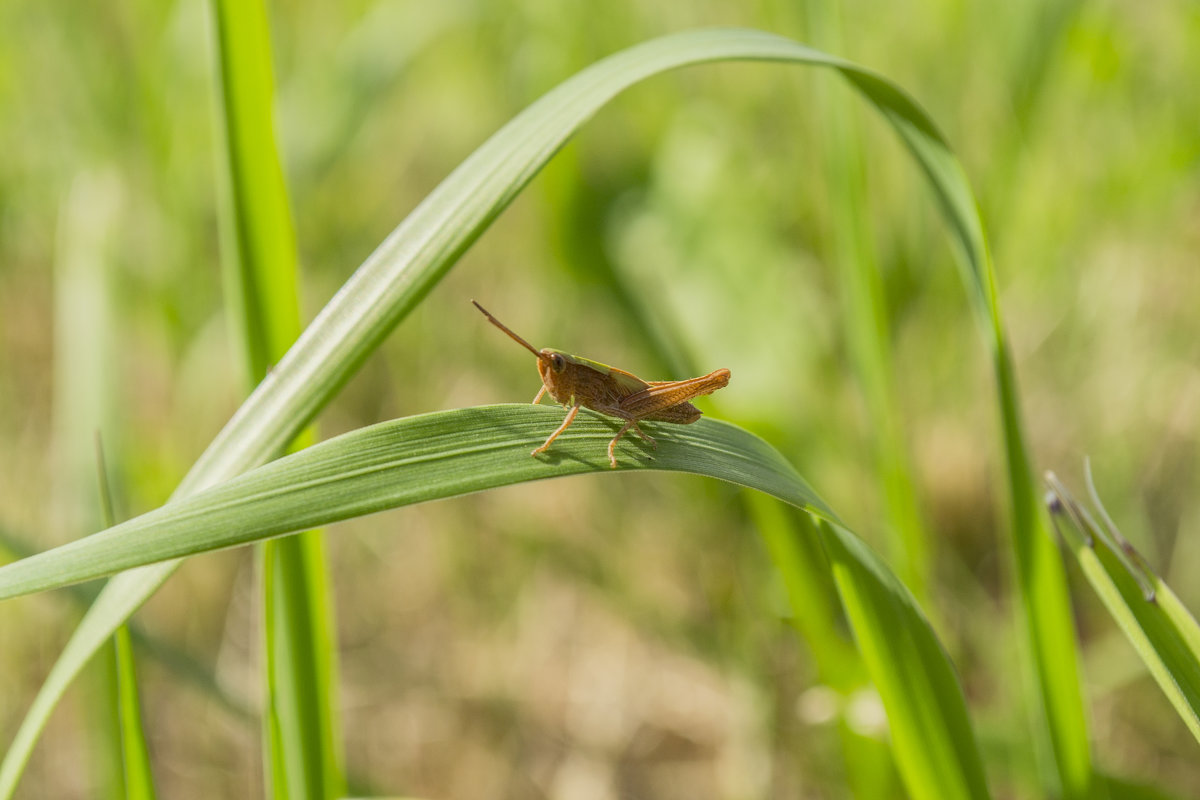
{"x":1052,"y":656}
{"x":416,"y":255}
{"x":302,"y":723}
{"x":260,"y":283}
{"x":303,"y":753}
{"x":450,"y":453}
{"x":396,"y":463}
{"x":1161,"y":630}
{"x":84,"y":403}
{"x":931,"y":734}
{"x":1060,"y":729}
{"x":139,"y":778}
{"x":1046,"y":615}
{"x":794,"y":543}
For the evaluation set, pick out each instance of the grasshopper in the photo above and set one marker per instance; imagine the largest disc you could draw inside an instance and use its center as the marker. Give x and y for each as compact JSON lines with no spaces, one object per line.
{"x":580,"y":382}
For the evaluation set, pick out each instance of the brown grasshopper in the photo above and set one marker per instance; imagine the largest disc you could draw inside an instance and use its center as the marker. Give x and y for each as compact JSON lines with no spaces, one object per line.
{"x":574,"y":381}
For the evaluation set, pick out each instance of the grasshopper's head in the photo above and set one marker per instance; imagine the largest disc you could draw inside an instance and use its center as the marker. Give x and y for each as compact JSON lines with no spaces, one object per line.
{"x":552,"y":363}
{"x":556,"y":369}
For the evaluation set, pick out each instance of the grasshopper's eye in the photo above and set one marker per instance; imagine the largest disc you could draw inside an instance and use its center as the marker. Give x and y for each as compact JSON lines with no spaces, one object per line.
{"x":557,"y":362}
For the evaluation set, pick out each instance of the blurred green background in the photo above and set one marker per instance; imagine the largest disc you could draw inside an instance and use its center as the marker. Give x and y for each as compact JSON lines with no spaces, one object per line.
{"x":625,"y":634}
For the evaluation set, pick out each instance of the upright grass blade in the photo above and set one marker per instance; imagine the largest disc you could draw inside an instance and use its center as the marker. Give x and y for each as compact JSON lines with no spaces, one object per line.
{"x":1051,"y":658}
{"x":139,"y":779}
{"x":260,"y":282}
{"x":416,"y":255}
{"x":1059,"y":724}
{"x":84,"y":402}
{"x":1161,"y":630}
{"x":301,"y":724}
{"x":1061,"y":730}
{"x":300,"y":730}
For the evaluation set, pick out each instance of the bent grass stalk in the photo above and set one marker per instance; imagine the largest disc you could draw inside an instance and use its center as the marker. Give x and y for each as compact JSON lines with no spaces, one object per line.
{"x":419,"y":252}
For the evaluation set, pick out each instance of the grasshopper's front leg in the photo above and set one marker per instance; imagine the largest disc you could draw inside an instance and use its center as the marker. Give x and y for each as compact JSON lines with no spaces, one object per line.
{"x":570,"y":418}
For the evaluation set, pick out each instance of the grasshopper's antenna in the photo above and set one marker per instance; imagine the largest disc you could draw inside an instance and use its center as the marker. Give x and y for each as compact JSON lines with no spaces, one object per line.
{"x":504,"y":328}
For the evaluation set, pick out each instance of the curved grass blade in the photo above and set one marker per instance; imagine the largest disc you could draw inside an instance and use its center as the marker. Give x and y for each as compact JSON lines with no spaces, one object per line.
{"x":397,"y":463}
{"x":932,"y":737}
{"x":416,"y":255}
{"x":450,"y":453}
{"x":794,"y":542}
{"x":1161,"y":630}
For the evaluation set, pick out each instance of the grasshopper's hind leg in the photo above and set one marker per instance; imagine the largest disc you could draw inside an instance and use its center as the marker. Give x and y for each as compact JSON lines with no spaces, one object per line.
{"x":630,"y":422}
{"x":645,"y":436}
{"x":570,"y":418}
{"x":612,"y":457}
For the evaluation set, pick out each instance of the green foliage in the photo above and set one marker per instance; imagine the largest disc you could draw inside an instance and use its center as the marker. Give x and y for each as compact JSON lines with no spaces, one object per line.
{"x":138,"y":775}
{"x":934,"y":745}
{"x":1161,"y":630}
{"x":691,"y":218}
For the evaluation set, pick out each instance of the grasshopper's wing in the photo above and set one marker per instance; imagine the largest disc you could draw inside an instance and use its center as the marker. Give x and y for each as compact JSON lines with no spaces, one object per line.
{"x":626,"y":382}
{"x":681,"y":413}
{"x":667,"y":401}
{"x":663,"y":401}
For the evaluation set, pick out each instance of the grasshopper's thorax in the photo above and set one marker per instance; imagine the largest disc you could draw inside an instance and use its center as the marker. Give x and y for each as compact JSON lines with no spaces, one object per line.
{"x":570,"y":380}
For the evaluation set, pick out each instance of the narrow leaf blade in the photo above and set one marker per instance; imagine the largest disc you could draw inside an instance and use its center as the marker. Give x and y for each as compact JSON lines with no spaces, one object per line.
{"x":397,"y":463}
